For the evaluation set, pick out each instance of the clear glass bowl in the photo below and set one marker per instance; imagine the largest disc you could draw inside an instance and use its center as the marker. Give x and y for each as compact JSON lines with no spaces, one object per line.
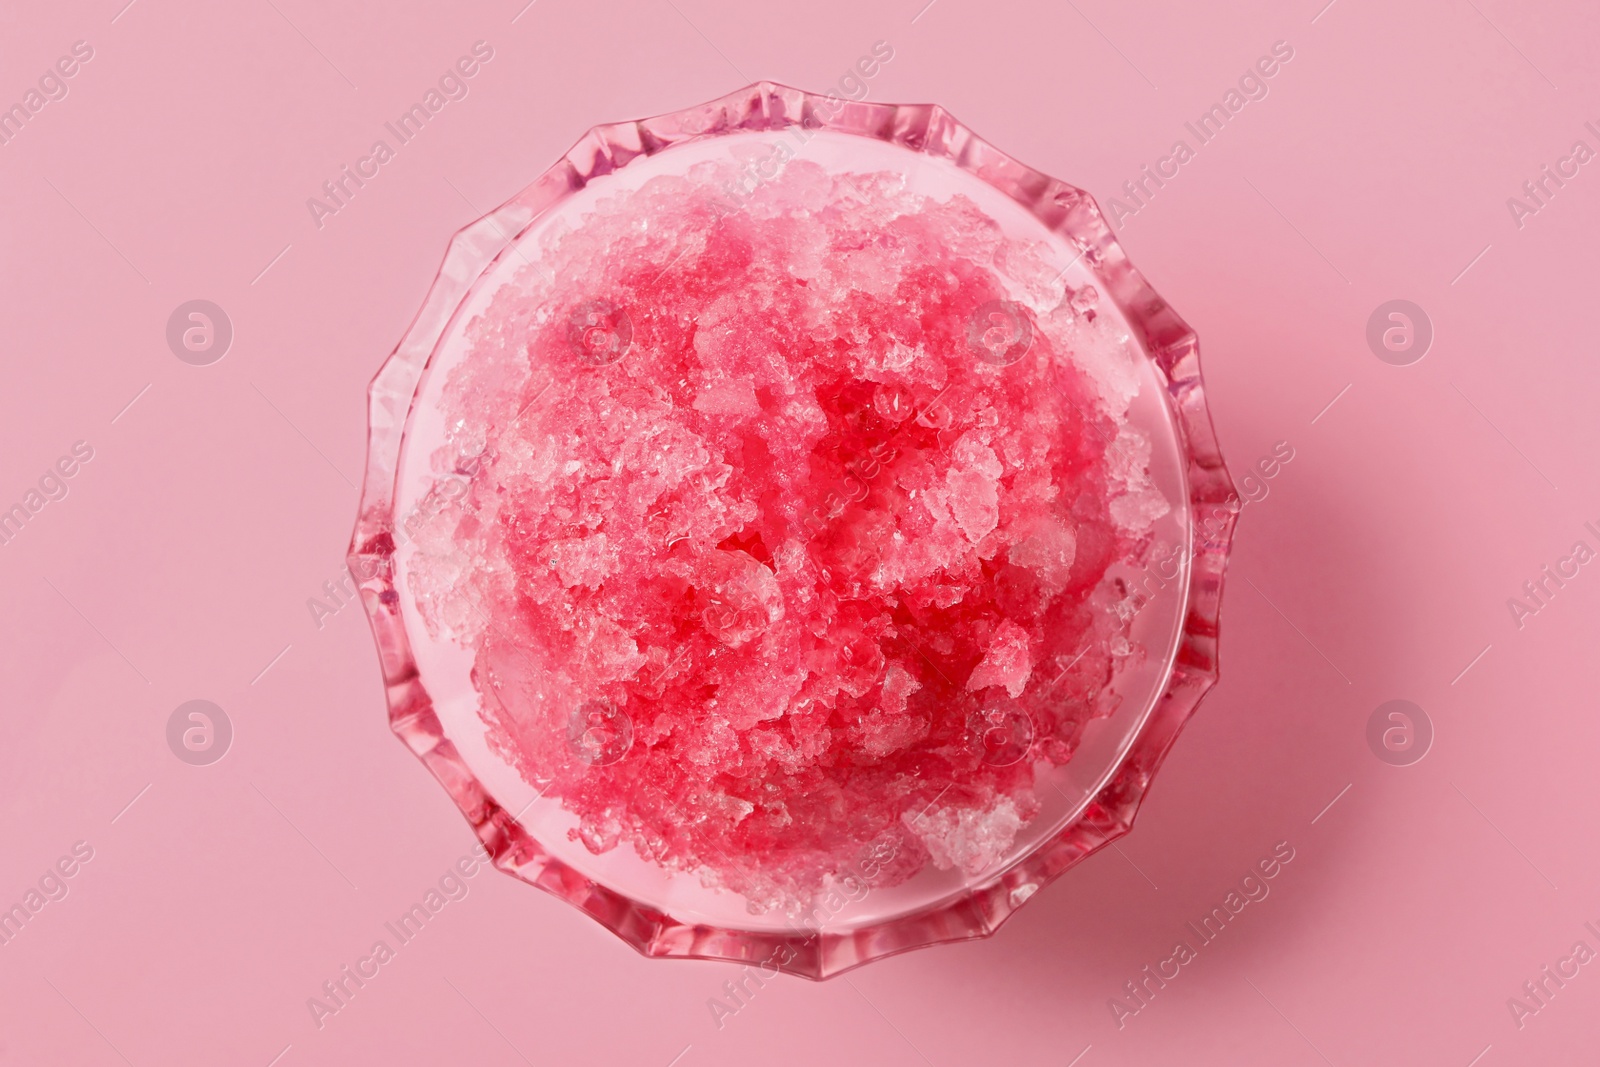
{"x":1175,"y":584}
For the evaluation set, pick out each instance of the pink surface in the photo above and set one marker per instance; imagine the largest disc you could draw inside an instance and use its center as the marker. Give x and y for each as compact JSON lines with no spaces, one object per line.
{"x":1376,"y":564}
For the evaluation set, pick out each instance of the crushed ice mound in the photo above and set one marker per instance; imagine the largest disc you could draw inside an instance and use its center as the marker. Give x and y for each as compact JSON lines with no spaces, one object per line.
{"x":786,"y":525}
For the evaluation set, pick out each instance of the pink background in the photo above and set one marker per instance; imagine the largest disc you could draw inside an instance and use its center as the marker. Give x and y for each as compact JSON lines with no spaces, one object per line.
{"x":1378,"y":566}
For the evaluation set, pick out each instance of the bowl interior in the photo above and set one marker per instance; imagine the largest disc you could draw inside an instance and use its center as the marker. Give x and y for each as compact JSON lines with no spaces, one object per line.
{"x":1161,"y":576}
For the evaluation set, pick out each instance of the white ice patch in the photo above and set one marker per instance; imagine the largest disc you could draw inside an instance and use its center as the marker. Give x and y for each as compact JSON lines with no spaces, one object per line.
{"x":966,"y":838}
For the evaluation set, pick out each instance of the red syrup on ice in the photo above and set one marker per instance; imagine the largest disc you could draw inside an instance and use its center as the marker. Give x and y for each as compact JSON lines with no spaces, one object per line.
{"x":780,"y":528}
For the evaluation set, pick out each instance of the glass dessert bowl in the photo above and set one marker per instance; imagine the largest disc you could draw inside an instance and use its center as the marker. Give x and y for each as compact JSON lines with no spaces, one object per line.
{"x":793,"y":531}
